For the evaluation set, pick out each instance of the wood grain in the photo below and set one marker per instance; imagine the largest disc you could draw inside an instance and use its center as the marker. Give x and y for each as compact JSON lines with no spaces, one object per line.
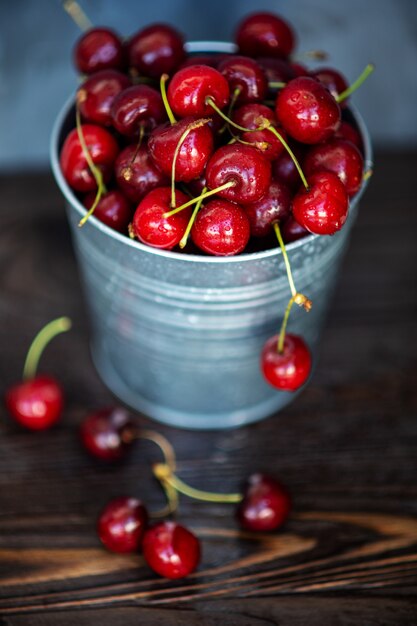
{"x":346,"y":448}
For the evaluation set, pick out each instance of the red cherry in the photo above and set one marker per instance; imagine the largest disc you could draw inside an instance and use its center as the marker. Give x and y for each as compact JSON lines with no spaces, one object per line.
{"x":151,"y":227}
{"x":97,"y":94}
{"x":274,"y":206}
{"x":193,"y":155}
{"x":247,"y":76}
{"x":221,"y":228}
{"x":137,"y":106}
{"x":190,"y":88}
{"x":137,"y":174}
{"x":103,"y":149}
{"x":289,"y":370}
{"x":299,"y":69}
{"x":265,"y":505}
{"x":348,"y":132}
{"x":307,"y":111}
{"x":122,"y":524}
{"x":37,"y":403}
{"x":252,"y":116}
{"x":276,"y":70}
{"x":243,"y":165}
{"x":98,"y":49}
{"x":113,"y":209}
{"x":212,"y":60}
{"x":171,"y":550}
{"x":156,"y":50}
{"x":323,"y":208}
{"x":265,"y":34}
{"x":338,"y":156}
{"x":291,"y":230}
{"x":107,"y":434}
{"x":283,"y":168}
{"x":335,"y":82}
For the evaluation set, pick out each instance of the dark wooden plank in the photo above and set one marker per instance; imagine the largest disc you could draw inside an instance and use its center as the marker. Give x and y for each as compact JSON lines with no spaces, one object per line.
{"x":346,"y":448}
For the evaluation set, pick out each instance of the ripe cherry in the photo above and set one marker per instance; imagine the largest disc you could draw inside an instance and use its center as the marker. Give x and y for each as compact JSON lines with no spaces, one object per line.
{"x":323,"y":208}
{"x":335,"y":82}
{"x":122,"y":524}
{"x":253,"y":116}
{"x":245,"y":76}
{"x":136,"y":107}
{"x":171,"y":550}
{"x":287,"y":370}
{"x":265,"y":505}
{"x":156,"y":50}
{"x":291,"y":230}
{"x":137,"y":174}
{"x":96,"y":95}
{"x":274,"y":206}
{"x":307,"y":111}
{"x":107,"y":434}
{"x":284,"y":169}
{"x":212,"y":60}
{"x":103,"y":150}
{"x":190,"y":88}
{"x":38,"y":401}
{"x":98,"y":49}
{"x":152,"y":228}
{"x":244,"y":167}
{"x":112,"y":209}
{"x":349,"y":132}
{"x":276,"y":70}
{"x":265,"y":34}
{"x":338,"y":156}
{"x":194,"y":151}
{"x":221,"y":228}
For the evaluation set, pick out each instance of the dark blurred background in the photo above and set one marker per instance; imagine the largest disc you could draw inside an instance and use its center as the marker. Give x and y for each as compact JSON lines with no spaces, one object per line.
{"x":37,"y":36}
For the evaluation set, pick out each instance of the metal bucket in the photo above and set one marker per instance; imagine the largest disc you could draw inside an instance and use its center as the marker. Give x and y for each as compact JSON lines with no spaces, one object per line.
{"x":178,"y":336}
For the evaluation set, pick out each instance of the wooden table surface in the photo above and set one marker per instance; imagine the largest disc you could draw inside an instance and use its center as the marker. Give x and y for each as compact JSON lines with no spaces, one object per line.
{"x":346,"y":448}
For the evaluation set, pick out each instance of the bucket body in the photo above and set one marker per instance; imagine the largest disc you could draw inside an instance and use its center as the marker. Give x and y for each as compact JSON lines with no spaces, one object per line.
{"x":178,"y":336}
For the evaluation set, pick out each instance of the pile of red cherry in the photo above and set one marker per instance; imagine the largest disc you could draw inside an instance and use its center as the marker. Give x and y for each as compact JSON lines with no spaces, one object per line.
{"x":238,"y":146}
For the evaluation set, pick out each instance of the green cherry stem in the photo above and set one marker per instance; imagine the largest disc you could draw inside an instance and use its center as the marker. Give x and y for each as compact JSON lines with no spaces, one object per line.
{"x":281,"y":336}
{"x":183,"y":137}
{"x":297,"y":297}
{"x":98,"y":176}
{"x":355,"y":85}
{"x":233,"y":99}
{"x":164,"y":473}
{"x":227,"y":119}
{"x":276,"y":85}
{"x":44,"y":336}
{"x":77,"y":14}
{"x":197,"y":207}
{"x":162,"y":86}
{"x":274,"y":131}
{"x":212,"y":192}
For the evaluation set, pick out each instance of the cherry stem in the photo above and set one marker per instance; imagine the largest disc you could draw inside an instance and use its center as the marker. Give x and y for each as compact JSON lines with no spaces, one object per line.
{"x":38,"y":345}
{"x":316,"y":55}
{"x":183,"y":137}
{"x":276,"y":85}
{"x":233,"y":100}
{"x":77,"y":14}
{"x":207,"y":194}
{"x":214,"y":106}
{"x":274,"y":131}
{"x":297,"y":297}
{"x":164,"y":473}
{"x":162,"y":85}
{"x":367,"y":174}
{"x":355,"y":85}
{"x":281,"y":337}
{"x":98,"y":176}
{"x":197,"y":207}
{"x":162,"y":443}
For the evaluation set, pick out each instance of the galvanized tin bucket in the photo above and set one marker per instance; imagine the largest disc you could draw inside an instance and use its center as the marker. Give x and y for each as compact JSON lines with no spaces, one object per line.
{"x":178,"y":336}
